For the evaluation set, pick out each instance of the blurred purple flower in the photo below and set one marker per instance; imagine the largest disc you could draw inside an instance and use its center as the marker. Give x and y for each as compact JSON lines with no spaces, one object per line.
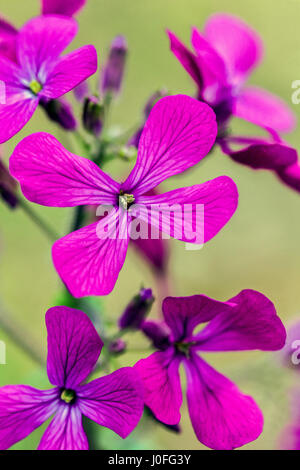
{"x":222,"y":417}
{"x":62,"y":7}
{"x":179,"y":133}
{"x":137,"y":309}
{"x":114,"y":401}
{"x":41,"y":73}
{"x":224,"y":56}
{"x":114,"y":68}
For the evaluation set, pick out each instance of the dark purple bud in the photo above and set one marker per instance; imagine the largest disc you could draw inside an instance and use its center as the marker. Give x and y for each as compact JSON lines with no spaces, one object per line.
{"x":117,"y":346}
{"x":93,"y":112}
{"x":137,"y":310}
{"x":60,"y":111}
{"x":157,"y":333}
{"x":147,"y":109}
{"x":8,"y":187}
{"x":114,"y":68}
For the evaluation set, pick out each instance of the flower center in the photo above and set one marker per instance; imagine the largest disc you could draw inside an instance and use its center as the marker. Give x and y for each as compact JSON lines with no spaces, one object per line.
{"x":183,"y":347}
{"x":35,"y":87}
{"x":125,"y":200}
{"x":68,"y":395}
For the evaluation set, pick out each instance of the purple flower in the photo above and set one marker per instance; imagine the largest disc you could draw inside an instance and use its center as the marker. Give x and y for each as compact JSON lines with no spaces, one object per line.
{"x":224,"y":56}
{"x":114,"y":401}
{"x":114,"y":69}
{"x":41,"y":74}
{"x":222,"y":417}
{"x":180,"y":131}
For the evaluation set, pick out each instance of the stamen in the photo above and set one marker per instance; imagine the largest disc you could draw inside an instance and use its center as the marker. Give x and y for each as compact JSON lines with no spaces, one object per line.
{"x":68,"y":395}
{"x":35,"y":87}
{"x":183,"y":348}
{"x":126,"y":200}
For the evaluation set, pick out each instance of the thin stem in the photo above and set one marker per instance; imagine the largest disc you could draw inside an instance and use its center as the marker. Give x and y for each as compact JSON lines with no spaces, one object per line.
{"x":45,"y":228}
{"x":21,"y":337}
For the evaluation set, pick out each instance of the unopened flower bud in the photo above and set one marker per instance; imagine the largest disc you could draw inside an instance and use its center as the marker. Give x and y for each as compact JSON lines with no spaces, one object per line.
{"x":137,"y":310}
{"x":60,"y":111}
{"x":93,"y":112}
{"x":157,"y":333}
{"x":8,"y":187}
{"x":114,"y":68}
{"x":81,"y":90}
{"x":117,"y":346}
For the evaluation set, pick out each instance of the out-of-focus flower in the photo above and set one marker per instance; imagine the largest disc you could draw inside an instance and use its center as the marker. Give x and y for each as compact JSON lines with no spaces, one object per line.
{"x":93,"y":112}
{"x":222,"y":417}
{"x":137,"y":310}
{"x":90,"y":259}
{"x":114,"y":401}
{"x":8,"y":187}
{"x":290,"y":436}
{"x":62,"y":7}
{"x":60,"y":111}
{"x":114,"y":68}
{"x":81,"y":91}
{"x":224,"y":56}
{"x":291,"y":351}
{"x":41,"y":74}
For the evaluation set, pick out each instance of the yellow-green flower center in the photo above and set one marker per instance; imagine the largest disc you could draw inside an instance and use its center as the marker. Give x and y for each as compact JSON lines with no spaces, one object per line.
{"x":35,"y":87}
{"x":68,"y":395}
{"x":125,"y":200}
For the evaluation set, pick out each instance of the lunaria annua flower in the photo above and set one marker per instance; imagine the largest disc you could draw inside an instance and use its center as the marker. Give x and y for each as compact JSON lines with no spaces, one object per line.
{"x":222,"y":417}
{"x":179,"y":132}
{"x":224,"y":56}
{"x":114,"y":401}
{"x":40,"y":73}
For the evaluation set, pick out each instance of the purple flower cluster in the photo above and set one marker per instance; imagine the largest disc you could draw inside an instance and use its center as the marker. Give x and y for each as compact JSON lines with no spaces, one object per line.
{"x":177,"y":132}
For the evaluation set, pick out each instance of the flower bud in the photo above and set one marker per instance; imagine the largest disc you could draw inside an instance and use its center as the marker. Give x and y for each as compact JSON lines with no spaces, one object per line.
{"x":81,"y":91}
{"x":93,"y":112}
{"x":60,"y":111}
{"x":114,"y":68}
{"x":8,"y":187}
{"x":157,"y":333}
{"x":137,"y":310}
{"x":134,"y":140}
{"x":117,"y":346}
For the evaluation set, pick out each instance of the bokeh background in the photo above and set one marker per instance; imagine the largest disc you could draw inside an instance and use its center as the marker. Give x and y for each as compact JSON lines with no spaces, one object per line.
{"x":258,"y":249}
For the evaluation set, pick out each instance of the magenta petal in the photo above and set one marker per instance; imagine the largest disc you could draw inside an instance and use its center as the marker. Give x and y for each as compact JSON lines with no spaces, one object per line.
{"x":187,"y":59}
{"x":179,"y":132}
{"x":213,"y":70}
{"x":222,"y":417}
{"x":114,"y":401}
{"x":65,"y":432}
{"x":265,"y":156}
{"x":90,"y":265}
{"x":70,"y":71}
{"x":238,"y":44}
{"x":22,"y":410}
{"x":290,"y":175}
{"x":183,"y":314}
{"x":62,"y":7}
{"x":264,"y":109}
{"x":73,"y":346}
{"x":8,"y":36}
{"x":251,"y":323}
{"x":41,"y":41}
{"x":162,"y":390}
{"x":52,"y":176}
{"x":200,"y":211}
{"x":15,"y":114}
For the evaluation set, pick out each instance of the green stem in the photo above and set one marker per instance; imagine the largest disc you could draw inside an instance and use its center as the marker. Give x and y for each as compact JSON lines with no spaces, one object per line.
{"x":45,"y":228}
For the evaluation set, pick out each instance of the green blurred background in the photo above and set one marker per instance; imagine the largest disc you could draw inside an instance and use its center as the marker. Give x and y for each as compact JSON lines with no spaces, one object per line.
{"x":258,"y":249}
